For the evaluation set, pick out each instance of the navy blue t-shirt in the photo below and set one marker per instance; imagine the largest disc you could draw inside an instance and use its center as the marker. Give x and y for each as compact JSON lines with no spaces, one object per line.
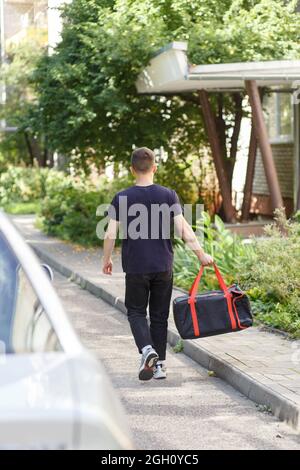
{"x":146,"y":214}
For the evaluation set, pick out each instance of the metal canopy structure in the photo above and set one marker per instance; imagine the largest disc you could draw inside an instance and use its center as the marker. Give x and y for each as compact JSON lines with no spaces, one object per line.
{"x":170,"y":73}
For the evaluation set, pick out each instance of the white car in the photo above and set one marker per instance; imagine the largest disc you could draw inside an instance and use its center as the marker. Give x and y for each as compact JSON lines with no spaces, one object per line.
{"x":53,"y":393}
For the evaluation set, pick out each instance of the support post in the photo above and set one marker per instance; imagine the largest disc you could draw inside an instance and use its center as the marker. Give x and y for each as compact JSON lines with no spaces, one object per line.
{"x":211,"y":129}
{"x":249,"y":175}
{"x":264,"y":143}
{"x":296,"y":155}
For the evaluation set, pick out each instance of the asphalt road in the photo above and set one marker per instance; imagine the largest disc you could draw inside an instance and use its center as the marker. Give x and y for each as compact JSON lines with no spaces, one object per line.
{"x":189,"y":410}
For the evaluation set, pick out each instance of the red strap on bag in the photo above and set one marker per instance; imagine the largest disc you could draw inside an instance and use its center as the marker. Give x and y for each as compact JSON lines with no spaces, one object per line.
{"x":193,"y":293}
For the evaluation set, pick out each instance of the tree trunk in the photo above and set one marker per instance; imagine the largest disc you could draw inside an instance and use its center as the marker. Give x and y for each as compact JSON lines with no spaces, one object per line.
{"x":37,"y":152}
{"x":50,"y":159}
{"x":28,"y":144}
{"x":229,"y":158}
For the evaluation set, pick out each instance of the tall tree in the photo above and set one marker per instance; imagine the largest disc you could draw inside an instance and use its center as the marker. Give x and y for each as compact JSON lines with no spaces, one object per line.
{"x":21,"y":145}
{"x":88,"y":106}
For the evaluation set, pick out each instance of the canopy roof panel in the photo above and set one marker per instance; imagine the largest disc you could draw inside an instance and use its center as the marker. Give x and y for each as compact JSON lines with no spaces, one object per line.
{"x":170,"y":72}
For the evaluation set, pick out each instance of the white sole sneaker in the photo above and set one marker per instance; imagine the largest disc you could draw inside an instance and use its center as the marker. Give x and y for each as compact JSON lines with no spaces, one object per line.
{"x":159,"y":373}
{"x":148,"y":363}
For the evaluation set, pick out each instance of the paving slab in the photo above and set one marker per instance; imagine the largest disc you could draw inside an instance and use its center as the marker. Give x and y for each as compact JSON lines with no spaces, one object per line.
{"x":188,"y":410}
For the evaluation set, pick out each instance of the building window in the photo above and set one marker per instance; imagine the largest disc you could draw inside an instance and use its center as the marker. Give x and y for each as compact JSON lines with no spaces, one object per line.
{"x":279,"y":116}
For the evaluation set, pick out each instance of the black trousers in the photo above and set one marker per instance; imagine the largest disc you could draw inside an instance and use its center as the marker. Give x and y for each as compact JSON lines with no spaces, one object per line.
{"x":155,"y":290}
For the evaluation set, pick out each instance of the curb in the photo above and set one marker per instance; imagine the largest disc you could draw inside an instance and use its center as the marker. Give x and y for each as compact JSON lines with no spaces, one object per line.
{"x":284,"y":409}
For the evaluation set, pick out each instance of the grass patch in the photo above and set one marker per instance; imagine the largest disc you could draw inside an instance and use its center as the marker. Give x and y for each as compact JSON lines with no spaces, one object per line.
{"x":179,"y":347}
{"x":18,"y":208}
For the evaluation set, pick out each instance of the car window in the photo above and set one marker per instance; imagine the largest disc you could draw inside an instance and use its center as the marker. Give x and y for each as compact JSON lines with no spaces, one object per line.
{"x":24,"y":325}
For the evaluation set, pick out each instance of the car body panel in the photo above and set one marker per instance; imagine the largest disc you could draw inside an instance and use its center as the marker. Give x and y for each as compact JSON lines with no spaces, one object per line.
{"x":54,"y":394}
{"x":93,"y":390}
{"x":36,"y":401}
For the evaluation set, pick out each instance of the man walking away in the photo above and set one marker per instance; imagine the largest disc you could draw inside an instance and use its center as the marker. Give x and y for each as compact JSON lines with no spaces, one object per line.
{"x":147,"y":257}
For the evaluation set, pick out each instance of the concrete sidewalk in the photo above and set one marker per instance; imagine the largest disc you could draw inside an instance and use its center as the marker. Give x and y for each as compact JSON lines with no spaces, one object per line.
{"x":263,"y":366}
{"x":190,"y":410}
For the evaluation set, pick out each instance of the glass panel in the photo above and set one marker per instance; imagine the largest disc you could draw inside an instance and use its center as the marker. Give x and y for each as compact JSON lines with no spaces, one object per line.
{"x":285,"y":114}
{"x":278,"y":115}
{"x":269,"y":103}
{"x":24,"y":325}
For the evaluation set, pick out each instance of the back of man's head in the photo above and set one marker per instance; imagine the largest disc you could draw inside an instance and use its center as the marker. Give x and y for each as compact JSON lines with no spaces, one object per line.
{"x":142,"y":160}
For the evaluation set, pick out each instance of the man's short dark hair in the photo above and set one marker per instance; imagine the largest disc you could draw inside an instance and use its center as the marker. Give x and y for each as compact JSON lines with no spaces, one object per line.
{"x":142,"y":160}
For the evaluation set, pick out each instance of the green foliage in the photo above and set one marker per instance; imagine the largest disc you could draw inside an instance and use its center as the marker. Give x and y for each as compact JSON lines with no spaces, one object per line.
{"x":17,"y":208}
{"x":66,"y":204}
{"x":178,"y":175}
{"x":242,"y":30}
{"x":179,"y":347}
{"x":15,"y":72}
{"x":86,"y":87}
{"x":297,"y":216}
{"x":227,"y":249}
{"x":271,"y":275}
{"x":18,"y":184}
{"x":88,"y":107}
{"x":70,"y":213}
{"x":267,"y":268}
{"x":69,"y":209}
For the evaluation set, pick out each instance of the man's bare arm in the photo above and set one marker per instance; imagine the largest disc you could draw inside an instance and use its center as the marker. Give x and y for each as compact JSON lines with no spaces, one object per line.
{"x":184,"y":231}
{"x":108,"y":246}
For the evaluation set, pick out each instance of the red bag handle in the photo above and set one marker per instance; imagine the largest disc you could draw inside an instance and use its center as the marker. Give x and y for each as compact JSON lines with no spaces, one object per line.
{"x":194,"y":288}
{"x":193,"y":293}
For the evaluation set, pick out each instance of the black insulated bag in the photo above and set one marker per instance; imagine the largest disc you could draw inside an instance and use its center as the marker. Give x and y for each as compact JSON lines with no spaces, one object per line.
{"x":212,"y":312}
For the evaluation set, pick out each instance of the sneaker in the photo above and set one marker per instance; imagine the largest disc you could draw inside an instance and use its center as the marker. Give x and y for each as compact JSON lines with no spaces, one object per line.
{"x":160,"y":371}
{"x":149,"y":359}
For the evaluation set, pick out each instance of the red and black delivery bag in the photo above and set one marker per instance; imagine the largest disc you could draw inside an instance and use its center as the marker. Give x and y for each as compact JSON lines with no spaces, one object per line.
{"x":212,"y":312}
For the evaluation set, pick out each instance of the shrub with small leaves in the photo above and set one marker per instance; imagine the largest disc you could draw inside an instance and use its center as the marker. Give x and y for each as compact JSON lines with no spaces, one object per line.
{"x":18,"y":184}
{"x":69,"y":209}
{"x":268,"y":268}
{"x":271,"y":275}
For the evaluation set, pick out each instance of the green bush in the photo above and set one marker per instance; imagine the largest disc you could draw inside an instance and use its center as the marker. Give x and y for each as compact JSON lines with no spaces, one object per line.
{"x":66,"y":204}
{"x":18,"y":208}
{"x":70,"y":213}
{"x":19,"y":184}
{"x":69,"y":209}
{"x":227,"y":249}
{"x":178,"y":175}
{"x":271,"y":275}
{"x":268,"y":269}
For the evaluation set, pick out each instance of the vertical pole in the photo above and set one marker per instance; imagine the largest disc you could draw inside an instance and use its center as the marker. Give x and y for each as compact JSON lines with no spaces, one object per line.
{"x":2,"y":32}
{"x":249,"y":175}
{"x":264,"y":144}
{"x":296,"y":109}
{"x":2,"y":60}
{"x":213,"y":138}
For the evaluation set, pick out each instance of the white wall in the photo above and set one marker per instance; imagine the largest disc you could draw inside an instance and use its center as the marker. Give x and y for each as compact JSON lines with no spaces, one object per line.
{"x":54,"y":22}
